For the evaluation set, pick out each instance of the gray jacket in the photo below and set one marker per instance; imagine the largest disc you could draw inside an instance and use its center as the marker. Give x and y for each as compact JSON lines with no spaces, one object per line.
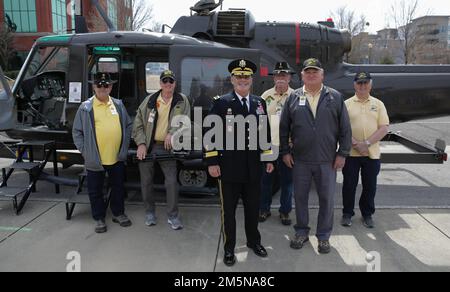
{"x":85,"y":139}
{"x":316,"y":140}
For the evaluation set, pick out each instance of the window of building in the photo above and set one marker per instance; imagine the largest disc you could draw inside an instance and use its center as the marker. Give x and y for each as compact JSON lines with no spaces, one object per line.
{"x":448,"y":42}
{"x":21,"y":15}
{"x":59,"y":16}
{"x":112,"y":11}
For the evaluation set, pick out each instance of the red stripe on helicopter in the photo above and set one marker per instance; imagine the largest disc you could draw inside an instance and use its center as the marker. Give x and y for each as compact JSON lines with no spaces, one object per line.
{"x":297,"y":34}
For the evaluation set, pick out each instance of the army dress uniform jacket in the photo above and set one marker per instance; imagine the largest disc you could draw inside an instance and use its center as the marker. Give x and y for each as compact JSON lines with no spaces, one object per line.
{"x":245,"y":165}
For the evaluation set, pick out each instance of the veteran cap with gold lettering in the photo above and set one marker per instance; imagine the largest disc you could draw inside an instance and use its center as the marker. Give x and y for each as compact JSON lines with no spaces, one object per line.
{"x":363,"y":77}
{"x":312,"y":63}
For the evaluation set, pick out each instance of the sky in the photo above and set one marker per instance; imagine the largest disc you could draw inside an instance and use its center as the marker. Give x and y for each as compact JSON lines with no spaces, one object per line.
{"x":376,"y":11}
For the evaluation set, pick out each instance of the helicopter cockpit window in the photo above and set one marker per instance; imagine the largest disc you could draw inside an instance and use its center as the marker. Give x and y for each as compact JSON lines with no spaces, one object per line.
{"x":153,"y":71}
{"x":48,"y":59}
{"x":2,"y":92}
{"x":42,"y":93}
{"x":205,"y":78}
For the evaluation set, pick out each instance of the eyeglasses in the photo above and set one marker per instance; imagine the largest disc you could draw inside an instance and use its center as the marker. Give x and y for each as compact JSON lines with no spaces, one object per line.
{"x":168,"y":80}
{"x":104,"y":85}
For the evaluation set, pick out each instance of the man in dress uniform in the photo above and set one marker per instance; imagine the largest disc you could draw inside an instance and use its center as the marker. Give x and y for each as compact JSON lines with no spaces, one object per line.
{"x":239,"y":170}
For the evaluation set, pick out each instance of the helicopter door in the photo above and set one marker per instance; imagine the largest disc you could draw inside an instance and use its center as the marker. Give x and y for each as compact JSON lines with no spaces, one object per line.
{"x":203,"y":71}
{"x":7,"y":117}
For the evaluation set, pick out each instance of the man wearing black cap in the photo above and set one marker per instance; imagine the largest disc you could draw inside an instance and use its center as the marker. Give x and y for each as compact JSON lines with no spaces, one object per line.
{"x":239,"y":170}
{"x":101,"y":132}
{"x":370,"y":123}
{"x":275,"y":99}
{"x":316,"y":119}
{"x":153,"y":132}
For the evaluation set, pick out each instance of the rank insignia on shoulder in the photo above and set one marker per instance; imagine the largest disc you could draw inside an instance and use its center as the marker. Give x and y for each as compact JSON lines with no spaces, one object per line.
{"x":216,"y":97}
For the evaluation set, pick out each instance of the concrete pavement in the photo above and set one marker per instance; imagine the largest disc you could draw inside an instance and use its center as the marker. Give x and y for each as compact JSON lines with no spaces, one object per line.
{"x":40,"y":239}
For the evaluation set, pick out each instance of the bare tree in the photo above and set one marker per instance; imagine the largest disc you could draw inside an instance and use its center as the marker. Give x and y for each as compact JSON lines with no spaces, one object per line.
{"x":140,"y":17}
{"x":6,"y":44}
{"x":157,"y":26}
{"x":403,"y":13}
{"x":345,"y":18}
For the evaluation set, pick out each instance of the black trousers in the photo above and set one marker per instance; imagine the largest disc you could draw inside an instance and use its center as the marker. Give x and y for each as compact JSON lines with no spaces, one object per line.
{"x":96,"y":181}
{"x":369,"y":169}
{"x":250,"y":194}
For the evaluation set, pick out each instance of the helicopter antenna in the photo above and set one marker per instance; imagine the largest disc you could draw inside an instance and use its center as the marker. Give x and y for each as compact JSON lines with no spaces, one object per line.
{"x":103,"y":14}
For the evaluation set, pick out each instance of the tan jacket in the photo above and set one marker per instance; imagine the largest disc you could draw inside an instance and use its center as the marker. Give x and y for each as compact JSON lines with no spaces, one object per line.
{"x":144,"y":127}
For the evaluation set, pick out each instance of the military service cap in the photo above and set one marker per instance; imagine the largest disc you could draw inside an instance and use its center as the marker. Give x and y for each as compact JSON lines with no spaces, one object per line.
{"x":242,"y":67}
{"x":312,"y":64}
{"x":363,"y":77}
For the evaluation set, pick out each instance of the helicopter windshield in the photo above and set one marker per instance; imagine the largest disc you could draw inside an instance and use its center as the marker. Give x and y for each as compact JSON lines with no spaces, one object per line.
{"x":48,"y":59}
{"x":2,"y":92}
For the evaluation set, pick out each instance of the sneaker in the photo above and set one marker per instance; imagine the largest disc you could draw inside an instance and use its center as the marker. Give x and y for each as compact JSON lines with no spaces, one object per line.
{"x":122,"y":220}
{"x":299,"y":241}
{"x":346,"y":221}
{"x":285,"y":220}
{"x":175,"y":223}
{"x":150,"y":219}
{"x":324,"y":247}
{"x":368,"y":222}
{"x":263,"y":216}
{"x":101,"y":227}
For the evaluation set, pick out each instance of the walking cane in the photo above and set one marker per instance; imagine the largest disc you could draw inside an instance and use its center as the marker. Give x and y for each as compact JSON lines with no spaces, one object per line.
{"x":222,"y":210}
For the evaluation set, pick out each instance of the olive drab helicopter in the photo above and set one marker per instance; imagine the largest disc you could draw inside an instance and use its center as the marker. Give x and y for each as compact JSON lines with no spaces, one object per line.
{"x":54,"y":78}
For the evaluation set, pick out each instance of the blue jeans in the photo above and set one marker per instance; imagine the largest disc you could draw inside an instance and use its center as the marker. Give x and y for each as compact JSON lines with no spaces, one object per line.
{"x":369,"y":169}
{"x":96,"y":181}
{"x":286,"y":181}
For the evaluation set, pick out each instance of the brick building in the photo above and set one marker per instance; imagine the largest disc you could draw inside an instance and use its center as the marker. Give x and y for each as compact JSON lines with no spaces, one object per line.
{"x":31,"y":19}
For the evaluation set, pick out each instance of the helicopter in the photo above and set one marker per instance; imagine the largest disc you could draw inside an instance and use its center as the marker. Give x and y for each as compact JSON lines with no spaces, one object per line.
{"x":53,"y":81}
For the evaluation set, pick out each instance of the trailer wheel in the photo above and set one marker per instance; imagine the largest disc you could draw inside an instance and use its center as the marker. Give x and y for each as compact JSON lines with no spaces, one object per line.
{"x":193,"y":178}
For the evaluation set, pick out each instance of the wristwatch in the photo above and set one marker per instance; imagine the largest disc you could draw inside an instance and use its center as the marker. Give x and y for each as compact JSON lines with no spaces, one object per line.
{"x":368,"y":143}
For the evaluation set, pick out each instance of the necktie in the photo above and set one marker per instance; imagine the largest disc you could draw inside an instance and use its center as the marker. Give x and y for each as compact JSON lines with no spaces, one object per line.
{"x":244,"y":106}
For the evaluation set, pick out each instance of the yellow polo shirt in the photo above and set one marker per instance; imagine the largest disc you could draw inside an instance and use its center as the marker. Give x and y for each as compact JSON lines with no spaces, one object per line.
{"x":313,"y":99}
{"x":108,"y":131}
{"x":366,"y":118}
{"x":275,"y":103}
{"x":162,"y":127}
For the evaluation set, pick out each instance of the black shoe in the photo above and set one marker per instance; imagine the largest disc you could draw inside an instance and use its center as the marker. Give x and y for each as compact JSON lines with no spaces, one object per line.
{"x":285,"y":220}
{"x":263,"y":216}
{"x":324,"y":247}
{"x":259,"y":250}
{"x":368,"y":222}
{"x":122,"y":220}
{"x":229,"y":259}
{"x":101,"y":227}
{"x":346,"y":221}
